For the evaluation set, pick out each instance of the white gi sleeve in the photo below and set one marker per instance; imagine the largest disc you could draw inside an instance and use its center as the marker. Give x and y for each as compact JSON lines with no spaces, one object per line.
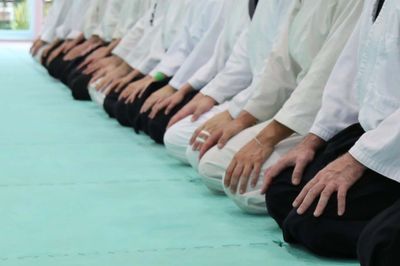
{"x":235,"y":76}
{"x":55,"y":18}
{"x":205,"y":48}
{"x":109,"y":20}
{"x":379,"y":149}
{"x":339,"y":103}
{"x":133,"y":36}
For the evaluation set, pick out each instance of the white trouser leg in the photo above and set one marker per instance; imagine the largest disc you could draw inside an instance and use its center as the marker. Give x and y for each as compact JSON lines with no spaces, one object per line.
{"x":96,"y":96}
{"x":214,"y":163}
{"x":177,"y":137}
{"x":252,"y":201}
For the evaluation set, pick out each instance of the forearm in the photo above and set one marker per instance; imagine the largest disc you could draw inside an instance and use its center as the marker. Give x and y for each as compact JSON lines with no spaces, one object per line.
{"x":274,"y":133}
{"x":246,"y":120}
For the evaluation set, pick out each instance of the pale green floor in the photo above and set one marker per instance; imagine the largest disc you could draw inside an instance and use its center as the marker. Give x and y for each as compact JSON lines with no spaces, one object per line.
{"x":77,"y":189}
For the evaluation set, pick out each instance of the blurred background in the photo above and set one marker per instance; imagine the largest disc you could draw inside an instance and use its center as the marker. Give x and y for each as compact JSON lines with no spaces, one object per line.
{"x":20,"y":20}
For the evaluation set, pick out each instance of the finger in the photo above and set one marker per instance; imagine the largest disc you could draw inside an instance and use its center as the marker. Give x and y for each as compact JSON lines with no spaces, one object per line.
{"x":299,"y":199}
{"x":229,"y":173}
{"x":196,"y":115}
{"x":147,"y":105}
{"x":323,"y":200}
{"x":211,"y":141}
{"x":169,"y":107}
{"x":195,"y":135}
{"x":256,"y":174}
{"x":224,"y":139}
{"x":236,"y":176}
{"x":298,"y":172}
{"x":154,"y":111}
{"x":311,"y":196}
{"x":245,"y":177}
{"x":341,"y":198}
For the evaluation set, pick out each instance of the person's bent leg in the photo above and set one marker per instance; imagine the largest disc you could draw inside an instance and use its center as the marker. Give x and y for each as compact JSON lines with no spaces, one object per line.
{"x":215,"y":162}
{"x":157,"y":127}
{"x":380,"y":240}
{"x":332,"y":235}
{"x":79,"y":87}
{"x":177,"y":137}
{"x":252,"y":201}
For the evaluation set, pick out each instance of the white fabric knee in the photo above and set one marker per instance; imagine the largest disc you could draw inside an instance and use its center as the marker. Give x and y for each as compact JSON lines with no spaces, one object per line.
{"x":96,"y":96}
{"x":252,"y":201}
{"x":177,"y":138}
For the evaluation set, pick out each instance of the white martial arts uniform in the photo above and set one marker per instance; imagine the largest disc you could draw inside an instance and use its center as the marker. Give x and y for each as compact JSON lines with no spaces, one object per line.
{"x":363,"y":89}
{"x":203,"y":24}
{"x":213,"y":51}
{"x":158,"y":27}
{"x":291,"y":88}
{"x":55,"y":18}
{"x":241,"y":71}
{"x":73,"y":25}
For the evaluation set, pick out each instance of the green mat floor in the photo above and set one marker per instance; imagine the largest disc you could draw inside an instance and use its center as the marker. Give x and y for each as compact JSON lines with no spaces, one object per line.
{"x":78,"y":189}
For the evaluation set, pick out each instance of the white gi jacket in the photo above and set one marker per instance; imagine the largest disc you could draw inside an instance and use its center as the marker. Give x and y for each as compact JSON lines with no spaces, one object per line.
{"x":96,"y":20}
{"x":300,"y":64}
{"x":202,"y":24}
{"x":142,"y":27}
{"x":248,"y":57}
{"x":74,"y":23}
{"x":55,"y":18}
{"x":131,"y":12}
{"x":172,"y":13}
{"x":197,"y":70}
{"x":363,"y":88}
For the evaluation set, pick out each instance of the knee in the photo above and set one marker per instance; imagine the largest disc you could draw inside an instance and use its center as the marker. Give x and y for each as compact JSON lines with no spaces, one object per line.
{"x":279,"y":197}
{"x":210,"y":172}
{"x":193,"y":157}
{"x":121,"y":113}
{"x":79,"y":88}
{"x":251,"y":202}
{"x":156,"y":129}
{"x":173,"y":143}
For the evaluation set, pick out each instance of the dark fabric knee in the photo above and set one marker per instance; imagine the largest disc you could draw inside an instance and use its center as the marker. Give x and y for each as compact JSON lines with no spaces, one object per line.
{"x":121,"y":113}
{"x":323,"y":237}
{"x":380,"y":240}
{"x":56,"y":66}
{"x":79,"y":88}
{"x":280,"y":196}
{"x":109,"y":104}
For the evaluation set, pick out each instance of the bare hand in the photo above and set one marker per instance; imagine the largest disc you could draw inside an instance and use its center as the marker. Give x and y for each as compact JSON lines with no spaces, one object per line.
{"x":199,"y":105}
{"x":135,"y":89}
{"x":113,"y":76}
{"x":37,"y":44}
{"x":95,"y":56}
{"x":157,"y":97}
{"x":338,"y":177}
{"x":245,"y":164}
{"x":299,"y":158}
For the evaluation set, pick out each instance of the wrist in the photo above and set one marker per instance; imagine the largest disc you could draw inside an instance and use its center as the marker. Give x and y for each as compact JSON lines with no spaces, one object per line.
{"x":274,"y":133}
{"x":313,"y":142}
{"x":246,"y":120}
{"x":359,"y":167}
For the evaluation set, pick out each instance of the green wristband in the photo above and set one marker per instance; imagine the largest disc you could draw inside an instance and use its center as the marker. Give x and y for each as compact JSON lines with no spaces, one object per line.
{"x":159,"y":76}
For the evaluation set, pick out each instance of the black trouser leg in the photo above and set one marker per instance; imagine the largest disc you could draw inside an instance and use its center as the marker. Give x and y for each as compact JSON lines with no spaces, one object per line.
{"x":133,"y":109}
{"x":56,"y":66}
{"x":79,"y":87}
{"x":331,"y":235}
{"x":44,"y":58}
{"x":157,"y":127}
{"x":110,"y":103}
{"x":379,"y":243}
